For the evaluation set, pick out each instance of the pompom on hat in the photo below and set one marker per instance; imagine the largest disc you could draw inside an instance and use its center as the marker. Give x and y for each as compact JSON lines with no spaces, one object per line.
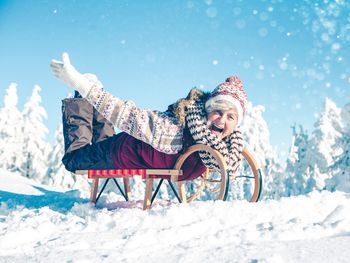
{"x":232,"y":93}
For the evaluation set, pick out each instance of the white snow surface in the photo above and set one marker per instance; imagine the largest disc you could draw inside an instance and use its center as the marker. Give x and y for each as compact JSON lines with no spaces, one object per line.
{"x":42,"y":224}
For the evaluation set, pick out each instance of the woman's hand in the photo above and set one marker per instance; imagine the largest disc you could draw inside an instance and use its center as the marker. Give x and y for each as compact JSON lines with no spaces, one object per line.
{"x":66,"y":72}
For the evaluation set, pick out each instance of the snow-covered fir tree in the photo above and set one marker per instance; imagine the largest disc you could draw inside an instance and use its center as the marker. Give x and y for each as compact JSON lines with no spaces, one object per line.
{"x":309,"y":165}
{"x":11,"y":134}
{"x":328,"y":130}
{"x":35,"y":148}
{"x":256,"y":136}
{"x":340,"y":170}
{"x":57,"y":175}
{"x":298,"y":163}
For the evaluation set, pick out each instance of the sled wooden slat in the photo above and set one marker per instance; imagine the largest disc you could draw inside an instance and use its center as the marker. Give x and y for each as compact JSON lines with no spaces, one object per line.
{"x":148,"y":194}
{"x":94,"y":190}
{"x":127,"y":187}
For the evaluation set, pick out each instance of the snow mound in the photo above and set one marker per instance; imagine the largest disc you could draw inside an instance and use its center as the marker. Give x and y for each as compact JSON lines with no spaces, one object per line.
{"x":61,"y":227}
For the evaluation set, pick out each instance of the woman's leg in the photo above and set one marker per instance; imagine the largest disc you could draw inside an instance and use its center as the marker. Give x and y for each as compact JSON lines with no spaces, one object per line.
{"x":77,"y":123}
{"x":102,"y":128}
{"x":83,"y":149}
{"x":77,"y":115}
{"x":95,"y":156}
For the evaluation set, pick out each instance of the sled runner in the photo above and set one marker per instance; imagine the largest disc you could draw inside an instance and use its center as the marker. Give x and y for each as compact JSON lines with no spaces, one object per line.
{"x":214,"y":184}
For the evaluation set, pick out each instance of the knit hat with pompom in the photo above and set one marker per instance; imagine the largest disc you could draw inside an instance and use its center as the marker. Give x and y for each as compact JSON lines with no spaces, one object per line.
{"x":231,"y":93}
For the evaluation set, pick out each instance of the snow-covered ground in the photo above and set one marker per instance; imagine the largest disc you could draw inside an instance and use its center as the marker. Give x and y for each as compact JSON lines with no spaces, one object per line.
{"x":42,"y":224}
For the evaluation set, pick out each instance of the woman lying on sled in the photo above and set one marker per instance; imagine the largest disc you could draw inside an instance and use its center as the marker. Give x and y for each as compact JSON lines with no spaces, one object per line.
{"x":150,"y":139}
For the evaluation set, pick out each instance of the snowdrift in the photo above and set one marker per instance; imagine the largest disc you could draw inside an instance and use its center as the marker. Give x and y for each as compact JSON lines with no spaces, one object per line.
{"x":39,"y":223}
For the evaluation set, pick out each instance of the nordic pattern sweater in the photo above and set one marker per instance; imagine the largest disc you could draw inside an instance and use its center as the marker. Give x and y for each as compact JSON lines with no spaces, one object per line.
{"x":158,"y":129}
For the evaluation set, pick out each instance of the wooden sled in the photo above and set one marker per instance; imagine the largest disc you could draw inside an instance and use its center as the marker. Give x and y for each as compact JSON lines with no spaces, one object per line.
{"x":215,"y":181}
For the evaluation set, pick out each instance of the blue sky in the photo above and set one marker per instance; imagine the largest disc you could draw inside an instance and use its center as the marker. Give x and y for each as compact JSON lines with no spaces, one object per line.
{"x":289,"y":54}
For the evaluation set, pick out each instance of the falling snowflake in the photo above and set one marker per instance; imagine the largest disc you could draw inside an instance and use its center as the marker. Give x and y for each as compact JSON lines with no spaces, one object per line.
{"x":212,"y":12}
{"x":264,"y":16}
{"x":283,"y":65}
{"x":246,"y":64}
{"x":237,"y":11}
{"x":240,"y":24}
{"x":263,"y":32}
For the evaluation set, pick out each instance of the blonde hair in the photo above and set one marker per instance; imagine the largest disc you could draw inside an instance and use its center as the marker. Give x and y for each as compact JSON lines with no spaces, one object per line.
{"x":222,"y":105}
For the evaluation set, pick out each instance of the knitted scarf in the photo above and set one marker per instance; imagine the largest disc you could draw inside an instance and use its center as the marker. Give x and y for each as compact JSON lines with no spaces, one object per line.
{"x":230,"y":147}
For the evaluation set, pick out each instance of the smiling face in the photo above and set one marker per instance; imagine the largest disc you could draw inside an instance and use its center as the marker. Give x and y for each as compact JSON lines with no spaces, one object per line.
{"x":222,"y":122}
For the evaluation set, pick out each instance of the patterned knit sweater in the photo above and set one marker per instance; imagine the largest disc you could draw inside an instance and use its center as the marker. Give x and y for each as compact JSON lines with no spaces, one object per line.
{"x":161,"y":130}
